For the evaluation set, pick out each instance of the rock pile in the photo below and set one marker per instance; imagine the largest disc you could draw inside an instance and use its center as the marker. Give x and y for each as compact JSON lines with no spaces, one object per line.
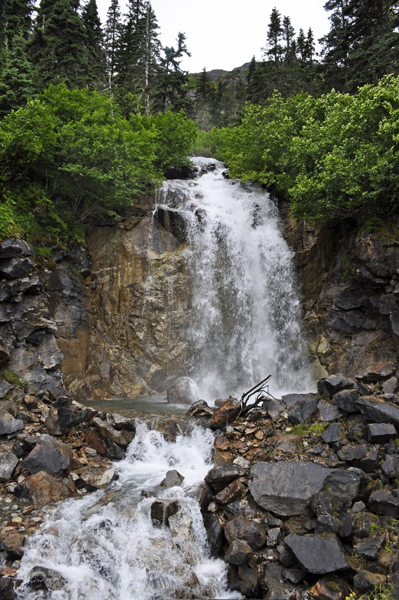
{"x":304,"y":496}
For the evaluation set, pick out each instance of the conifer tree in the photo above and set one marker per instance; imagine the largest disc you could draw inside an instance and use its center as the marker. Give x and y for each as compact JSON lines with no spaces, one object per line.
{"x":274,"y":36}
{"x":112,"y":34}
{"x":17,"y":18}
{"x":309,"y":49}
{"x":94,"y":43}
{"x":171,"y":80}
{"x":16,"y":79}
{"x":288,"y":34}
{"x":58,"y":45}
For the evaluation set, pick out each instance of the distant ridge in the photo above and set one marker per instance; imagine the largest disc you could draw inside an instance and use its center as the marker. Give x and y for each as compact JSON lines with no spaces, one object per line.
{"x":216,"y":73}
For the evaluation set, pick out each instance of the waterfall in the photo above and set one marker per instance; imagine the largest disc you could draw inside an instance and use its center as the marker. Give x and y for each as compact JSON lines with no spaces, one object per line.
{"x":106,"y":546}
{"x":246,"y":314}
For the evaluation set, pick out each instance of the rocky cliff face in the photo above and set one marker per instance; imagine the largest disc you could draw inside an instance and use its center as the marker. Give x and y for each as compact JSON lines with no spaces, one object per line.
{"x":350,"y":292}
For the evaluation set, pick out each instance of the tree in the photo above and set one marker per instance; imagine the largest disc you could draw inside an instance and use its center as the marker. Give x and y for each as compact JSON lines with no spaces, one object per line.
{"x":16,"y":79}
{"x":16,"y":18}
{"x":336,"y":44}
{"x":309,"y":49}
{"x":274,"y":36}
{"x":94,"y":42}
{"x":288,"y":34}
{"x":171,"y":81}
{"x":59,"y":45}
{"x":112,"y":34}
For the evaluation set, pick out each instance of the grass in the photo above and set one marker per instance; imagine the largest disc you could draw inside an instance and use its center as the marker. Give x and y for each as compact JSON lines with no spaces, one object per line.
{"x":378,"y":593}
{"x":11,"y":378}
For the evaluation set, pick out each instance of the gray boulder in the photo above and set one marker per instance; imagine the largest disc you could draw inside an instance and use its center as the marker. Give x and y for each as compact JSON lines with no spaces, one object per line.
{"x":5,"y":388}
{"x":172,"y":479}
{"x":238,"y":553}
{"x":317,"y":555}
{"x":377,"y":372}
{"x":49,"y":455}
{"x":343,"y":484}
{"x":14,"y":268}
{"x":286,"y":488}
{"x":332,"y":433}
{"x":13,"y":247}
{"x":8,"y":424}
{"x":240,"y":528}
{"x":109,"y":432}
{"x":390,"y":466}
{"x":45,"y":580}
{"x":346,"y":400}
{"x":328,"y":412}
{"x":335,"y":383}
{"x":384,"y":502}
{"x":303,"y":411}
{"x":8,"y":462}
{"x":378,"y":411}
{"x":183,"y":392}
{"x":224,"y":474}
{"x":380,"y":433}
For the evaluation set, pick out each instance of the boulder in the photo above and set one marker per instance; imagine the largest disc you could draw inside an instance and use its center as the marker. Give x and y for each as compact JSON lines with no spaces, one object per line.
{"x":333,"y":384}
{"x":286,"y":488}
{"x":240,"y":528}
{"x":13,"y":247}
{"x":184,"y":391}
{"x":161,"y":510}
{"x":364,"y":581}
{"x":97,"y":478}
{"x":8,"y":462}
{"x":230,"y":493}
{"x":59,"y":420}
{"x":303,"y":411}
{"x":377,"y":372}
{"x":384,"y":502}
{"x":370,"y":548}
{"x":41,"y":579}
{"x":107,"y":431}
{"x":224,"y":414}
{"x":14,"y":268}
{"x":172,"y":479}
{"x":343,"y":485}
{"x":244,"y":580}
{"x":390,"y":466}
{"x":351,"y":453}
{"x":8,"y":424}
{"x":238,"y":553}
{"x":328,"y":412}
{"x":214,"y":532}
{"x":378,"y":411}
{"x":5,"y":388}
{"x":380,"y":433}
{"x":332,"y":433}
{"x":7,"y":589}
{"x":390,"y":385}
{"x":346,"y":400}
{"x":317,"y":555}
{"x":118,"y":421}
{"x":220,"y":476}
{"x":46,"y":490}
{"x":49,"y":455}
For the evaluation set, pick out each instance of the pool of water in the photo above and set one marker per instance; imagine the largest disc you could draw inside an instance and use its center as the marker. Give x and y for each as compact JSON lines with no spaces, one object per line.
{"x":156,"y":405}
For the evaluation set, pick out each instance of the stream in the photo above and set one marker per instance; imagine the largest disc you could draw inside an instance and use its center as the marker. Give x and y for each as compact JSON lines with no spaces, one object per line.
{"x":245,"y":324}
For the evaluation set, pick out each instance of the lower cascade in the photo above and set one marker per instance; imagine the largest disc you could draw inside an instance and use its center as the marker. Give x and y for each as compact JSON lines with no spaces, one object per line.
{"x":245,"y":317}
{"x":109,"y":544}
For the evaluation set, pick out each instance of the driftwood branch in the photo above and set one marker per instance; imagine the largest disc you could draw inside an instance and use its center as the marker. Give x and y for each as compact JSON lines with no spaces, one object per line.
{"x":261,"y":392}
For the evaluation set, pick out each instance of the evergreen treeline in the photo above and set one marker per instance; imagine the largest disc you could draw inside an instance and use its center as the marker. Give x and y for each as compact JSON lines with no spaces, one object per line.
{"x":361,"y":47}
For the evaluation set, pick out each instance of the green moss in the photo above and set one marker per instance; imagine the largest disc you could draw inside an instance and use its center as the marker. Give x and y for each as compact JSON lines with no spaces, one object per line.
{"x":300,"y":429}
{"x":317,"y":428}
{"x":11,"y":378}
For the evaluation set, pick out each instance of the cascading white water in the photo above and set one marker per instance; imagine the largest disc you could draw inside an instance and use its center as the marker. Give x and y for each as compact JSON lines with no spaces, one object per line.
{"x":245,"y":318}
{"x":106,"y":546}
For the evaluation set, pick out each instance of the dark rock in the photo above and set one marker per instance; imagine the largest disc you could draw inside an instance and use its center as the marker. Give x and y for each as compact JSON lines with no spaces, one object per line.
{"x":317,"y":555}
{"x":225,"y":414}
{"x":230,"y":493}
{"x":172,"y":220}
{"x":369,"y":549}
{"x":389,"y":386}
{"x":303,"y":411}
{"x":113,"y":450}
{"x":346,"y":528}
{"x":8,"y":424}
{"x":362,"y":524}
{"x":8,"y":462}
{"x":86,"y":415}
{"x":45,"y":580}
{"x":93,"y":439}
{"x":161,"y":510}
{"x":346,"y":400}
{"x":384,"y":502}
{"x":332,"y":433}
{"x":183,"y":392}
{"x":390,"y":466}
{"x":108,"y":432}
{"x":286,"y":488}
{"x":285,"y":556}
{"x":364,"y":582}
{"x":7,"y":589}
{"x":59,"y":420}
{"x":378,"y":411}
{"x":14,"y":268}
{"x":293,"y":575}
{"x":370,"y":463}
{"x":46,"y":490}
{"x":343,"y":485}
{"x":244,"y":580}
{"x":13,"y":247}
{"x":224,"y":474}
{"x":377,"y":372}
{"x":200,"y":409}
{"x":379,"y":433}
{"x":242,"y":529}
{"x":328,"y":412}
{"x":214,"y":532}
{"x":327,"y":523}
{"x":333,"y":384}
{"x":272,"y":537}
{"x":172,"y":479}
{"x":5,"y":388}
{"x":351,"y":453}
{"x":49,"y":455}
{"x":238,"y":553}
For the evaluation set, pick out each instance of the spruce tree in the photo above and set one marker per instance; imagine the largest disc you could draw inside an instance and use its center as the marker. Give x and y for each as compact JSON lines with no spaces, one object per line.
{"x":288,"y":35}
{"x":309,"y":48}
{"x":16,"y":79}
{"x":94,"y":42}
{"x":112,"y":34}
{"x":59,"y":45}
{"x":17,"y":18}
{"x":171,"y":81}
{"x":274,"y":36}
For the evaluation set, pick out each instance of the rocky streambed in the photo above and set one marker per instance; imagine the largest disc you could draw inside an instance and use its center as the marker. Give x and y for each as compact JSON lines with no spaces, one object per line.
{"x":302,"y":500}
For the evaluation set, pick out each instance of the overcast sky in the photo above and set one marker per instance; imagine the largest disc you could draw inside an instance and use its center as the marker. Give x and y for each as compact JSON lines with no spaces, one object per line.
{"x":223,"y":34}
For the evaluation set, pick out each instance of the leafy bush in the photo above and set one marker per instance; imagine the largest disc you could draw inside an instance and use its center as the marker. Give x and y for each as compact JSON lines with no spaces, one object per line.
{"x":334,"y":157}
{"x":70,"y":158}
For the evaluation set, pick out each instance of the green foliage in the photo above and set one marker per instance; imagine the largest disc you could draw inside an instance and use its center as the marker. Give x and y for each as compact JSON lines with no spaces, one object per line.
{"x":69,"y":158}
{"x":11,"y":378}
{"x":335,"y":157}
